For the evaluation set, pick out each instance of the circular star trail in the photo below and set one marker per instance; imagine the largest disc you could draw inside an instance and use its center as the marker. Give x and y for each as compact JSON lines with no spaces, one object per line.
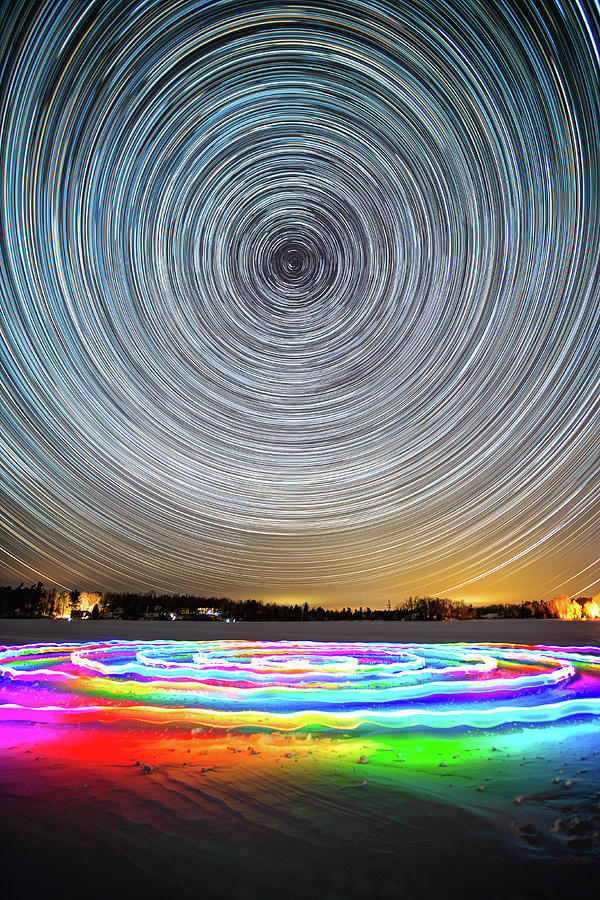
{"x":300,"y":297}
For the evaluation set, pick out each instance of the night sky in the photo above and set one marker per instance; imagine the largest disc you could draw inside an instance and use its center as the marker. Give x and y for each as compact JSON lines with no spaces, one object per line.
{"x":301,"y":302}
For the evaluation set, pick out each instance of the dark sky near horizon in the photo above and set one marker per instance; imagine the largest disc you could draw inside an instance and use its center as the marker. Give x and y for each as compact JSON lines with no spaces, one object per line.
{"x":301,"y":301}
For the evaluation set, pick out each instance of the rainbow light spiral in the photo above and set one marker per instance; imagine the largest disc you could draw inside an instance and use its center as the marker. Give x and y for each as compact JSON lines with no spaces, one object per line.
{"x":293,"y":685}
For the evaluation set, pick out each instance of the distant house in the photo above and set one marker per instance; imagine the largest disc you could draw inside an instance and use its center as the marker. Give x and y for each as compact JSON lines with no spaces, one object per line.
{"x":116,"y":613}
{"x":153,"y":612}
{"x":201,"y":612}
{"x":80,"y":614}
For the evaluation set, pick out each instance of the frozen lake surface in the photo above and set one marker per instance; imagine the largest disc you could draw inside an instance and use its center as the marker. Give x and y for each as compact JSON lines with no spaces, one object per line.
{"x":514,"y":631}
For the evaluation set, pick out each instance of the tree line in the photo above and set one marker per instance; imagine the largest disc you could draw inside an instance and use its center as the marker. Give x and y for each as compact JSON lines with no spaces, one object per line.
{"x":35,"y":601}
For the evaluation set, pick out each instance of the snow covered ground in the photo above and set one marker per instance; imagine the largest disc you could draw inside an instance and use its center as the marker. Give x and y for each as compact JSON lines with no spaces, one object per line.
{"x":133,"y":811}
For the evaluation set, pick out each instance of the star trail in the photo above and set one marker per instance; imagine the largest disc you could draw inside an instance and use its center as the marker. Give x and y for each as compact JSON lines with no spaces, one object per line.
{"x":301,"y":300}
